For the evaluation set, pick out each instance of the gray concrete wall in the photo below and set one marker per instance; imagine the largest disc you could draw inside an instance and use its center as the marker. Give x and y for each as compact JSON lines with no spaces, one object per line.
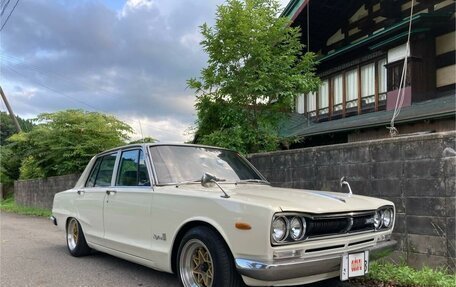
{"x":40,"y":192}
{"x":417,"y":173}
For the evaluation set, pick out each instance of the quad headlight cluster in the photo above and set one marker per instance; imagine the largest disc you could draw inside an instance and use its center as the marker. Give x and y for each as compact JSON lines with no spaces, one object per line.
{"x":288,"y":228}
{"x":383,"y":218}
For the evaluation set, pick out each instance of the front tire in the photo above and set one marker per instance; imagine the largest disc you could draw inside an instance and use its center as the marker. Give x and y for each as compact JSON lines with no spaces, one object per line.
{"x":76,"y":242}
{"x":204,"y":260}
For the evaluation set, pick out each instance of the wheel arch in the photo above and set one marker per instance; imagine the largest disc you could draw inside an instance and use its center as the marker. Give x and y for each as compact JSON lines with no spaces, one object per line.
{"x":183,"y":230}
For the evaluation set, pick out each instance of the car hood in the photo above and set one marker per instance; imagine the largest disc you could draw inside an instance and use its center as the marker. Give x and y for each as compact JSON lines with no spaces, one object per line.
{"x":312,"y":201}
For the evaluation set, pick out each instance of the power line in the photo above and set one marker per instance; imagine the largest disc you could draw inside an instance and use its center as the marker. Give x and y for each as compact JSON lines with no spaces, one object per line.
{"x":54,"y":90}
{"x":4,"y":7}
{"x":130,"y":119}
{"x":7,"y":18}
{"x":71,"y":81}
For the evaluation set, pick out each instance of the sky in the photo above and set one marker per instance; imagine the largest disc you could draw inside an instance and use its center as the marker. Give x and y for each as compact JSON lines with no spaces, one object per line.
{"x":130,"y":59}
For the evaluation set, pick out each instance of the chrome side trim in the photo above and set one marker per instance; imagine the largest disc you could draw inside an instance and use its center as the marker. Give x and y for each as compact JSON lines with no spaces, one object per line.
{"x":276,"y":270}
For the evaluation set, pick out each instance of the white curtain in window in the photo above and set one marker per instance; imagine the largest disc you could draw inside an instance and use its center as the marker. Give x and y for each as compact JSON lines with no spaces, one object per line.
{"x":300,"y":104}
{"x":368,"y":80}
{"x":338,"y":89}
{"x":381,"y":76}
{"x":311,"y":102}
{"x":323,"y":95}
{"x":351,"y":84}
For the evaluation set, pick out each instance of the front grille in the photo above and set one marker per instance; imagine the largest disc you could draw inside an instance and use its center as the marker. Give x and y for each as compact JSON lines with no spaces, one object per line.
{"x":362,"y":223}
{"x":325,"y":226}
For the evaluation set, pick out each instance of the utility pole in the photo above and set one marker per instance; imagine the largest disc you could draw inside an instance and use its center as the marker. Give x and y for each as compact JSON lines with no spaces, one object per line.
{"x":10,"y":111}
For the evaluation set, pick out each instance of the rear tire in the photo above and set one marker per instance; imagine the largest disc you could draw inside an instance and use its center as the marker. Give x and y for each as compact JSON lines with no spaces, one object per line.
{"x":75,"y":238}
{"x":203,"y":260}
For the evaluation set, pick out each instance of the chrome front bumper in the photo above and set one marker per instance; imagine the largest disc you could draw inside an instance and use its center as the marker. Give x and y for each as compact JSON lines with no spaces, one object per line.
{"x":296,"y":268}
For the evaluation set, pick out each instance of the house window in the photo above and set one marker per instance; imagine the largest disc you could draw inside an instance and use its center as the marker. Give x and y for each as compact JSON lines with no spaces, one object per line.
{"x":351,"y":84}
{"x":323,"y":97}
{"x":395,"y":73}
{"x":337,"y":84}
{"x":311,"y":104}
{"x":381,"y":72}
{"x":300,"y":109}
{"x":368,"y":83}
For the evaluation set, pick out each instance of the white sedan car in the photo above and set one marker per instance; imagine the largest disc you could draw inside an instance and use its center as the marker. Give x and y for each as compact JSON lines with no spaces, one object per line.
{"x":208,"y":215}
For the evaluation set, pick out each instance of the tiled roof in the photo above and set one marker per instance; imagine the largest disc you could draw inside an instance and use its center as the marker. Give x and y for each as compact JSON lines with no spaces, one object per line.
{"x":298,"y":126}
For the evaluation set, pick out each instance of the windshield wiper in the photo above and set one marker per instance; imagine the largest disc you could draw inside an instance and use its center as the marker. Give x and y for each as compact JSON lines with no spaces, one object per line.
{"x":186,"y":182}
{"x":196,"y":181}
{"x":253,"y":180}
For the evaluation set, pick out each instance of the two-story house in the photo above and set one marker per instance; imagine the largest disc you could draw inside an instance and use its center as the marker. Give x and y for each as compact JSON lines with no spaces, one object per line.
{"x":362,"y":47}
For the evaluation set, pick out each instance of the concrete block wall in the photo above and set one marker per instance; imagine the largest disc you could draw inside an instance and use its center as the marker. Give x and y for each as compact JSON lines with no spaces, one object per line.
{"x":40,"y":192}
{"x":417,"y":173}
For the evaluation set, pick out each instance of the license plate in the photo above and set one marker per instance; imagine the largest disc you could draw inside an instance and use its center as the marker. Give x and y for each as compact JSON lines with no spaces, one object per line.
{"x":354,"y":265}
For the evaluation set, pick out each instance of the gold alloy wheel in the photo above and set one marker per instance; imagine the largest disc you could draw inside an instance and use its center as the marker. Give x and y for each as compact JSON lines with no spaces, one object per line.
{"x":72,"y":234}
{"x":196,"y":265}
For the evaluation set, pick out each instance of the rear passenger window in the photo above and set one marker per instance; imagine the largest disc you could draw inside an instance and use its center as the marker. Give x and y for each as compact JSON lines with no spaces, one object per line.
{"x":132,"y":169}
{"x":102,"y":170}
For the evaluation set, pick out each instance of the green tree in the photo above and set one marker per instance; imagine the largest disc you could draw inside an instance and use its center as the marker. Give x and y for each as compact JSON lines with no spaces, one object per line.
{"x":10,"y":156}
{"x":10,"y":162}
{"x":144,"y":140}
{"x":63,"y":142}
{"x":255,"y":68}
{"x":7,"y":127}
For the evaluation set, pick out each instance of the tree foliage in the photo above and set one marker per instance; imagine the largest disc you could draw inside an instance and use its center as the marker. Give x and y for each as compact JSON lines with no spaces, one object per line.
{"x":7,"y":127}
{"x":144,"y":140}
{"x":63,"y":142}
{"x":255,"y":68}
{"x":10,"y":158}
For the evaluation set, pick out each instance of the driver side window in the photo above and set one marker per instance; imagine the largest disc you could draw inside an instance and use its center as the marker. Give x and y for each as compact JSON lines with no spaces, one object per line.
{"x":132,"y":169}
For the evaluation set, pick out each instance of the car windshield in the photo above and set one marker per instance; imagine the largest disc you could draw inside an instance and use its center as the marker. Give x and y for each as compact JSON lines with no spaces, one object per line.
{"x":177,"y":164}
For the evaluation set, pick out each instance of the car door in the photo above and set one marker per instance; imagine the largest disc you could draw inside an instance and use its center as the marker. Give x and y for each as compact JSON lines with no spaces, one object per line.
{"x":128,"y":206}
{"x":91,"y":198}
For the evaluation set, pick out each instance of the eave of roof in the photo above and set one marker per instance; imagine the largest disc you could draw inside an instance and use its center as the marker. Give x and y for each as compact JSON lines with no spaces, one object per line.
{"x":298,"y":126}
{"x":292,"y":7}
{"x":385,"y":32}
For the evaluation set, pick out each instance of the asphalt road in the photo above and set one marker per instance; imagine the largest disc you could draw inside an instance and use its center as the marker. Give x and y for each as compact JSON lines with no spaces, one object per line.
{"x":33,"y":253}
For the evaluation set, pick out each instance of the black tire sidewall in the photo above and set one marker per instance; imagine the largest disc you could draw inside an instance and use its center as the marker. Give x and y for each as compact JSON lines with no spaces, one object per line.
{"x":225,"y":273}
{"x":81,"y":248}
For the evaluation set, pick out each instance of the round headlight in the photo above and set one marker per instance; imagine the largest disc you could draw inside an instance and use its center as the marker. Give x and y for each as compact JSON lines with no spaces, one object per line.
{"x":279,"y":229}
{"x":296,"y":228}
{"x":378,"y":219}
{"x":387,"y":217}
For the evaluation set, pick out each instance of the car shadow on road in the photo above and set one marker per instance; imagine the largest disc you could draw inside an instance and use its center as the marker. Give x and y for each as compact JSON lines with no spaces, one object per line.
{"x":151,"y":277}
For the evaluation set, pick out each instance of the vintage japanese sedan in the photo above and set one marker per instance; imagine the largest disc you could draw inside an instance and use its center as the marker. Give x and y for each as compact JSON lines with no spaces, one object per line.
{"x":208,"y":215}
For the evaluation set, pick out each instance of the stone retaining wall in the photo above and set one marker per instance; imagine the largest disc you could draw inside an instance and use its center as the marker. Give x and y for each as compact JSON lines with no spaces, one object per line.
{"x":417,"y":173}
{"x":40,"y":192}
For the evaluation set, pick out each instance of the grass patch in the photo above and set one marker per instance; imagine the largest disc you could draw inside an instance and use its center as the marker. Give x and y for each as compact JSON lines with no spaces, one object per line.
{"x":401,"y":275}
{"x":9,"y":205}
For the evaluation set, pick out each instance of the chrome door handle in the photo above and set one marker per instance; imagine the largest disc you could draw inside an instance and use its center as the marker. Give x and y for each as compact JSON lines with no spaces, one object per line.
{"x":80,"y":192}
{"x":108,"y":192}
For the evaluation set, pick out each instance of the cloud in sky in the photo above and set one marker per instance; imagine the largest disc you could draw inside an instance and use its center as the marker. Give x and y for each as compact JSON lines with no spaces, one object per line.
{"x":130,"y":59}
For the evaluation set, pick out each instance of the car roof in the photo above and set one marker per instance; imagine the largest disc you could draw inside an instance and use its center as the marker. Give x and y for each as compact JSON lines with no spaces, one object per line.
{"x":144,"y":145}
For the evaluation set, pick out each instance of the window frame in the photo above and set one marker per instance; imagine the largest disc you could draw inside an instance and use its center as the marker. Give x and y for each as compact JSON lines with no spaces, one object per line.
{"x":118,"y":168}
{"x":357,"y":104}
{"x":94,"y":165}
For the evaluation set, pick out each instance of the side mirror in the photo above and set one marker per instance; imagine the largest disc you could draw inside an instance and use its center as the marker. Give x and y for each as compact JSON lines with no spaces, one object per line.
{"x":343,"y":181}
{"x":208,"y":180}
